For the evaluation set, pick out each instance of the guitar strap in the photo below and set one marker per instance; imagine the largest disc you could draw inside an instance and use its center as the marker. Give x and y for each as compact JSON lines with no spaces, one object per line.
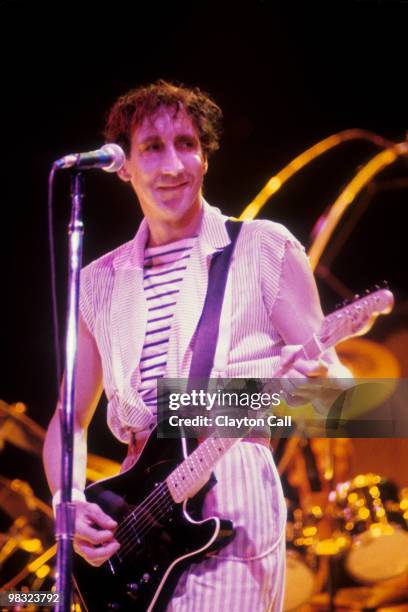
{"x":208,"y":326}
{"x":209,"y":323}
{"x":207,"y":335}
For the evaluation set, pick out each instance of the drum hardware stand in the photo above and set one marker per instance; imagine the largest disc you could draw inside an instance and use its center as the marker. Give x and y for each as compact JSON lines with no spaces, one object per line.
{"x":330,"y":549}
{"x":65,"y":511}
{"x":329,"y":476}
{"x":332,"y":582}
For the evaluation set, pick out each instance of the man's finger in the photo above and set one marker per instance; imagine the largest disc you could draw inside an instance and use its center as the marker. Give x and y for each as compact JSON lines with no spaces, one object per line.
{"x":96,"y":555}
{"x":289,"y":354}
{"x":311,"y":368}
{"x":94,"y":536}
{"x":101,"y":519}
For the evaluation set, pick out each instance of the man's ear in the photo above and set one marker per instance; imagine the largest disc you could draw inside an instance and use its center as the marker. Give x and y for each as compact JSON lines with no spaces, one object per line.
{"x":123,"y":173}
{"x":205,"y":164}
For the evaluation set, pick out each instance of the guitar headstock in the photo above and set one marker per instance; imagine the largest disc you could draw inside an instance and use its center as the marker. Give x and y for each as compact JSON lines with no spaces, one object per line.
{"x":356,"y":318}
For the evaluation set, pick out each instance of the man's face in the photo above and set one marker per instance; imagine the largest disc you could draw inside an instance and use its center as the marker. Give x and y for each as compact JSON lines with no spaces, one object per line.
{"x":166,"y":167}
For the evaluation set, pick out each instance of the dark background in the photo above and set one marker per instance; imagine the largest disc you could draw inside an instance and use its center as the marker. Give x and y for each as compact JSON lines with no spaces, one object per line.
{"x":285,"y":74}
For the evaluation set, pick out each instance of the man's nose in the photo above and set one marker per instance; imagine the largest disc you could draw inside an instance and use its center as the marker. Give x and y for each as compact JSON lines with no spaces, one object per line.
{"x":172,"y":163}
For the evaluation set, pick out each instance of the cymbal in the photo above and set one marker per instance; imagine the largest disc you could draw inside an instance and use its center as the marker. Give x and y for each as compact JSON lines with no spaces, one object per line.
{"x":19,"y":429}
{"x":17,"y":499}
{"x":16,"y":427}
{"x":368,"y":359}
{"x":100,"y":467}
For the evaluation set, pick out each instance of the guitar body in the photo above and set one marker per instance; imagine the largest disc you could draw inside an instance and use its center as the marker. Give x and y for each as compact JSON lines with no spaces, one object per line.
{"x":159,"y":538}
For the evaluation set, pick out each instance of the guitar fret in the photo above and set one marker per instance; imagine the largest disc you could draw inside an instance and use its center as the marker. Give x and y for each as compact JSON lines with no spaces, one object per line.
{"x":358,"y":316}
{"x":203,"y":463}
{"x":207,"y":452}
{"x":183,"y":472}
{"x":193,"y":468}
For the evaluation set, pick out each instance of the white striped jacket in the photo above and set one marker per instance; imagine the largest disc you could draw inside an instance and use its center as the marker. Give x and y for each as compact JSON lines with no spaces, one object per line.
{"x":114,"y":307}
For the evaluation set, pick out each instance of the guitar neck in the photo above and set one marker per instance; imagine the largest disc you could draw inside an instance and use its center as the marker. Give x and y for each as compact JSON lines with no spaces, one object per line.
{"x":197,"y":465}
{"x":346,"y":322}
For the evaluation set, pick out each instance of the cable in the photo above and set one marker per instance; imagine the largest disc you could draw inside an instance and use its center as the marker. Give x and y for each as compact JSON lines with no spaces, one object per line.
{"x":54,"y":303}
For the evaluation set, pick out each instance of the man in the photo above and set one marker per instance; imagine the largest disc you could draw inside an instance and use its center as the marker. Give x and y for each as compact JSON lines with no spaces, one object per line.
{"x":140,"y":307}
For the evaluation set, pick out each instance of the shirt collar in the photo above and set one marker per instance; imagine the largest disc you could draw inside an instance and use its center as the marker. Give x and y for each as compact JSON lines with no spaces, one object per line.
{"x":212,"y":235}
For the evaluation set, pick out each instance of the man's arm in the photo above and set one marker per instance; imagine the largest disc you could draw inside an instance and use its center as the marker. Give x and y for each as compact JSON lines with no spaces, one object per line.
{"x":94,"y":538}
{"x":297,"y":314}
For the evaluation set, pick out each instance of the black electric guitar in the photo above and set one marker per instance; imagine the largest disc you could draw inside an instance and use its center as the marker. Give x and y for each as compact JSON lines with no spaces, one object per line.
{"x":159,"y":531}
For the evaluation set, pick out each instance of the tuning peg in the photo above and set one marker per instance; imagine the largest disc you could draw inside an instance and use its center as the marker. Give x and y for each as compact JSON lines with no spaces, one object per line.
{"x":345,"y":303}
{"x":357,"y":296}
{"x":385,"y":284}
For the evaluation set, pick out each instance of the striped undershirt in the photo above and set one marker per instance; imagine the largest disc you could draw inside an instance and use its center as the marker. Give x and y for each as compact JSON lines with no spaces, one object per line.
{"x":163,"y":272}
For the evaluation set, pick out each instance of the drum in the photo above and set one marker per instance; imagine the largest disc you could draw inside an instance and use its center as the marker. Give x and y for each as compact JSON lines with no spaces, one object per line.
{"x":300,"y":582}
{"x":371,"y":509}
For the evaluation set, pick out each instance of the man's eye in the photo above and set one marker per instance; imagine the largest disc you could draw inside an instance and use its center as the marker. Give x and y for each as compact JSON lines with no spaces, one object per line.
{"x":187,"y":143}
{"x":154,"y":146}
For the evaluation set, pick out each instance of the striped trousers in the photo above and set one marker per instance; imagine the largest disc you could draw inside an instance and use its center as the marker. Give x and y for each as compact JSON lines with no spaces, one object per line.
{"x":248,"y":574}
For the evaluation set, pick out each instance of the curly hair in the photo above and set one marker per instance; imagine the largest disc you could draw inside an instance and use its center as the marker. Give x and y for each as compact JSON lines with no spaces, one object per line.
{"x":132,"y":108}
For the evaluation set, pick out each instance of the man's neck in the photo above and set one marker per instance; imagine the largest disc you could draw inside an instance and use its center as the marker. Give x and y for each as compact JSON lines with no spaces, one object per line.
{"x":165,"y":233}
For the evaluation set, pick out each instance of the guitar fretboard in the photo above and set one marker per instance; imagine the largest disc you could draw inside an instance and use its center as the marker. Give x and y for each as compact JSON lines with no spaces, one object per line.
{"x":197,"y":465}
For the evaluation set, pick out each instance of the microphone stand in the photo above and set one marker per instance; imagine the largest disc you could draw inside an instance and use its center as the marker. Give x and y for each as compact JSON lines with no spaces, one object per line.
{"x":65,"y":511}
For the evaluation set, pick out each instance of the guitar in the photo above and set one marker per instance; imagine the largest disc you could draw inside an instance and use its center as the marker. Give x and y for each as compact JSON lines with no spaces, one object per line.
{"x":160,"y":529}
{"x":354,"y":319}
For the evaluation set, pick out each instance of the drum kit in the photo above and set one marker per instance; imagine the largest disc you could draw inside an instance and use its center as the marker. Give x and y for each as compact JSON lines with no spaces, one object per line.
{"x":363,"y":528}
{"x":356,"y":533}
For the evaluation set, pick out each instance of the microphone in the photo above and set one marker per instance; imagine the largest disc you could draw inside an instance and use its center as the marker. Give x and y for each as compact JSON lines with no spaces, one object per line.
{"x":110,"y":158}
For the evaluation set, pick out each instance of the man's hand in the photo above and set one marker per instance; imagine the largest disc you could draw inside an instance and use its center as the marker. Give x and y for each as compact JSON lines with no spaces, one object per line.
{"x":297,"y":373}
{"x":94,"y":534}
{"x":311,"y":380}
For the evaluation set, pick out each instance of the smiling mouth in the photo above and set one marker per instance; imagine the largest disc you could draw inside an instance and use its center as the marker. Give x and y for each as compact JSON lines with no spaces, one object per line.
{"x":172,"y":187}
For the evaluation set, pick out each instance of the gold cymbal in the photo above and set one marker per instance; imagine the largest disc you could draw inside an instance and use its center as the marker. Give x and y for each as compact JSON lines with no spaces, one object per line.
{"x":19,"y":429}
{"x":16,"y":427}
{"x":17,"y":499}
{"x":368,"y":359}
{"x":100,"y":467}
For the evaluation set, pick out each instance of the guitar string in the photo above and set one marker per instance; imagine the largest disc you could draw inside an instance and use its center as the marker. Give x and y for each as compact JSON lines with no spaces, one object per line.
{"x":125,"y":528}
{"x":122,"y":529}
{"x":132,"y":521}
{"x":149,"y":499}
{"x":145,"y":526}
{"x":143,"y":529}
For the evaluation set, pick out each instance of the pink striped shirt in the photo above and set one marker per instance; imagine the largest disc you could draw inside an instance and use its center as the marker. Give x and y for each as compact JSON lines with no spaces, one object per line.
{"x":164,"y":270}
